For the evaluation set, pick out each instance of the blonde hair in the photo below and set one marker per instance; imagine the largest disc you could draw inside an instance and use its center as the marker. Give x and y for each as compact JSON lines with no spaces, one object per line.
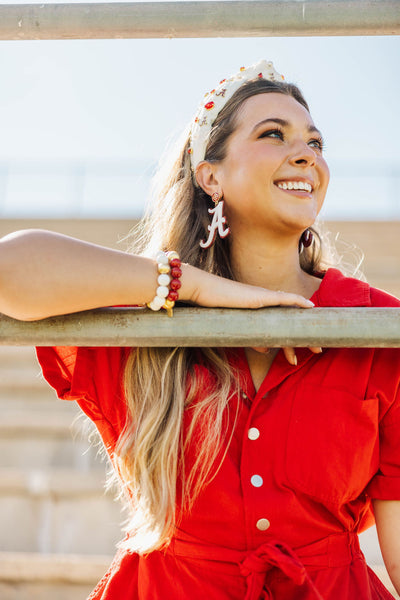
{"x":161,"y":383}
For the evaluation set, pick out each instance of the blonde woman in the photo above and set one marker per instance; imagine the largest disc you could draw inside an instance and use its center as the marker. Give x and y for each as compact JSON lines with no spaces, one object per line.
{"x":248,"y":472}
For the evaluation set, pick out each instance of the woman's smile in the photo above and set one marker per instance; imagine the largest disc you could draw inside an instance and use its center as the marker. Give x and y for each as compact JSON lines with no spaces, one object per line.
{"x":296,"y":185}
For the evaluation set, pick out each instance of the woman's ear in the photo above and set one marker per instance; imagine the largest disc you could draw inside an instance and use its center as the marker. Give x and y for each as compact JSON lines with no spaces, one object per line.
{"x":206,"y":177}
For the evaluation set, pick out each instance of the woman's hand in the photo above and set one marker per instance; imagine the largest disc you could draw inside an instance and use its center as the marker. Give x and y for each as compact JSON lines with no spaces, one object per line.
{"x":290,"y":353}
{"x":208,"y":290}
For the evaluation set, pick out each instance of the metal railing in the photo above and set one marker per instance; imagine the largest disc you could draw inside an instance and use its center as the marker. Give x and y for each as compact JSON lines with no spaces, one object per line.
{"x":268,"y":327}
{"x":237,"y":18}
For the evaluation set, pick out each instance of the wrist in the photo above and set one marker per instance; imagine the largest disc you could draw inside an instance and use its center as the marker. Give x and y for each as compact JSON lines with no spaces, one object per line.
{"x":169,"y":284}
{"x":189,"y":280}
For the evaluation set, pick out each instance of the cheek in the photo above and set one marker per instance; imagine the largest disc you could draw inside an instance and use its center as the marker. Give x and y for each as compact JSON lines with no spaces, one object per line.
{"x":326,"y":173}
{"x":236,"y":177}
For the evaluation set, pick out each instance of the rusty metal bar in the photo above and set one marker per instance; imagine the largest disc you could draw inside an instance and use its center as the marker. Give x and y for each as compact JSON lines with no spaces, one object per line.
{"x":231,"y":18}
{"x":273,"y":327}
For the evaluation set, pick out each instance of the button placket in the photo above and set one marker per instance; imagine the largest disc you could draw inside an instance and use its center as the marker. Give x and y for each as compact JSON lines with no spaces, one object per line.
{"x":253,"y":465}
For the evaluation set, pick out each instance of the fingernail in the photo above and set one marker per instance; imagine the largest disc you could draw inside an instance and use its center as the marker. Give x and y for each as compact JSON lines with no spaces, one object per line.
{"x":295,"y":360}
{"x":319,"y":350}
{"x":311,"y":304}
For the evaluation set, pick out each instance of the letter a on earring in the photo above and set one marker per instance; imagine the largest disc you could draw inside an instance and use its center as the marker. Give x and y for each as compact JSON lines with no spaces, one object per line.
{"x":218,"y":222}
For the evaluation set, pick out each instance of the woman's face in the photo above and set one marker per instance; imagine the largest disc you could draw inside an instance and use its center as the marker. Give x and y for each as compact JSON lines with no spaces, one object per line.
{"x":274,"y":147}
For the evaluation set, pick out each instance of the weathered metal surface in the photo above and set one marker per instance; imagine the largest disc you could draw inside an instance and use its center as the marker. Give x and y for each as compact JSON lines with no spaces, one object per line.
{"x":238,"y":18}
{"x":270,"y":327}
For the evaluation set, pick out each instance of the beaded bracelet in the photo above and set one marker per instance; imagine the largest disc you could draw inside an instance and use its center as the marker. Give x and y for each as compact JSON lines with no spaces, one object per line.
{"x":169,"y":273}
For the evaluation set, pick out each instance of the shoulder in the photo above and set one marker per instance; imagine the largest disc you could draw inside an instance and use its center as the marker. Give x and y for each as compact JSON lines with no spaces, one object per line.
{"x":337,"y":289}
{"x":382,"y":298}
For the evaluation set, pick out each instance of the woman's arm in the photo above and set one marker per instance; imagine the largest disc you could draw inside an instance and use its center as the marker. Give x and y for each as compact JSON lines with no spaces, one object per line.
{"x":387,"y":516}
{"x":44,"y":274}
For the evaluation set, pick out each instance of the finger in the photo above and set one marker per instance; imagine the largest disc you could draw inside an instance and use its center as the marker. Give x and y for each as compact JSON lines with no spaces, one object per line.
{"x":316,"y":349}
{"x":262,"y":350}
{"x":290,"y":356}
{"x":285,"y":299}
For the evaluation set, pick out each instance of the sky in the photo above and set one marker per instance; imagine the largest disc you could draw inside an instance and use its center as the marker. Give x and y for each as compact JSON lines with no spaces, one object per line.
{"x":110,"y":107}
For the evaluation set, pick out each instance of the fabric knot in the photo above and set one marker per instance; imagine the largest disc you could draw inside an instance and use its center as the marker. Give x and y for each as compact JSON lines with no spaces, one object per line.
{"x":272,"y":554}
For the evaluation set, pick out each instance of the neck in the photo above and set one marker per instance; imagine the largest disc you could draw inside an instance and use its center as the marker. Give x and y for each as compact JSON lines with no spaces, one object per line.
{"x":272,"y":263}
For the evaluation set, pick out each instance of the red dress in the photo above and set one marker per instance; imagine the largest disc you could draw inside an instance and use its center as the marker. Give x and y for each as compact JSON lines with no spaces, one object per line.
{"x":309,"y":450}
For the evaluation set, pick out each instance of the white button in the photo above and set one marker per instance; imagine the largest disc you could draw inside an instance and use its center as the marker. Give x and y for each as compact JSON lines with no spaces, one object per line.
{"x":244,"y":395}
{"x":256,"y":480}
{"x":262,"y":524}
{"x":253,"y":433}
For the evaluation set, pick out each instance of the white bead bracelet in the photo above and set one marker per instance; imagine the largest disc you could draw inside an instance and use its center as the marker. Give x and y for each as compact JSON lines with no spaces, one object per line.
{"x":169,"y":272}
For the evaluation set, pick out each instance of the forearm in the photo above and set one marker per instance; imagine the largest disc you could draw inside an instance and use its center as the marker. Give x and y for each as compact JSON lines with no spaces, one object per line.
{"x":44,"y":273}
{"x":387,"y":516}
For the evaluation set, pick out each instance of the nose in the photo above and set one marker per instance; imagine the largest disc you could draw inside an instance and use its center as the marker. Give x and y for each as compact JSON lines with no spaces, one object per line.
{"x":303,"y":155}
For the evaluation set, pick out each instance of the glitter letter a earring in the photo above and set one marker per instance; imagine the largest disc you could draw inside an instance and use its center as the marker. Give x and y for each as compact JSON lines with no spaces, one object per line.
{"x":218,"y":222}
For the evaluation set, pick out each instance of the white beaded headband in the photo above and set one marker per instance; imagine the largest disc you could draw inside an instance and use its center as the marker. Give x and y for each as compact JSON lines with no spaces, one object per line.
{"x":214,"y":101}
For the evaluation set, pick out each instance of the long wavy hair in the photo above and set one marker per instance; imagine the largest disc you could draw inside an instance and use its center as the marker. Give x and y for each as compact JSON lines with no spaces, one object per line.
{"x":160,"y":383}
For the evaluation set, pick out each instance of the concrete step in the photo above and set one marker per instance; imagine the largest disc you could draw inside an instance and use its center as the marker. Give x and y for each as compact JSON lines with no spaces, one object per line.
{"x":46,"y":577}
{"x":60,"y":511}
{"x":49,"y":577}
{"x":33,"y":399}
{"x":15,"y":422}
{"x":24,"y":376}
{"x":37,"y":438}
{"x":20,"y":377}
{"x":23,"y":355}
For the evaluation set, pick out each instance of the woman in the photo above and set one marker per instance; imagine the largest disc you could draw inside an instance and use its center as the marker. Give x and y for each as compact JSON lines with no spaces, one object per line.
{"x":249,"y":472}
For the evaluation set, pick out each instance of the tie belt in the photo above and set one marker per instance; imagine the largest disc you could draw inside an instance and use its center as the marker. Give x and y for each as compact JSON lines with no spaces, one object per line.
{"x":274,"y":570}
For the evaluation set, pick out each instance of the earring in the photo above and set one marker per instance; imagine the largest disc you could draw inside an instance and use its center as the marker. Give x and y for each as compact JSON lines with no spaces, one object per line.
{"x":306,"y":239}
{"x":218,"y":222}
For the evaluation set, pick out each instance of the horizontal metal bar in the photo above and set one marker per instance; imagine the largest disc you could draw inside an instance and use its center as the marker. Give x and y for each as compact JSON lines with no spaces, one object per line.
{"x":270,"y":327}
{"x":237,"y":18}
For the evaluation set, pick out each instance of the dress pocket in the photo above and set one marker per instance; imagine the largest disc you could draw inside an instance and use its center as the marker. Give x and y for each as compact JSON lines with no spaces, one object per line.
{"x":333,"y":443}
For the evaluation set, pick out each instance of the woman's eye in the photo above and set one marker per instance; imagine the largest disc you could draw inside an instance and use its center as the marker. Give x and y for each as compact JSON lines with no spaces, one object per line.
{"x":278,"y":134}
{"x":319,"y":144}
{"x":274,"y":133}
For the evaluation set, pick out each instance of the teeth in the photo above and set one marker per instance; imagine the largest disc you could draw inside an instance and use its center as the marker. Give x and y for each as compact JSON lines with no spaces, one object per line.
{"x":295,"y":185}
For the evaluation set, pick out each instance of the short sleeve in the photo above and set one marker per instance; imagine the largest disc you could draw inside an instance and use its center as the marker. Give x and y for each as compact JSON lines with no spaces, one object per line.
{"x":385,"y":485}
{"x":94,"y":378}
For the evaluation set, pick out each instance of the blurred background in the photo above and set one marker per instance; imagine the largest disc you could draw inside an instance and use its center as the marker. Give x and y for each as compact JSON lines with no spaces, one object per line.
{"x":83,"y":123}
{"x":82,"y":127}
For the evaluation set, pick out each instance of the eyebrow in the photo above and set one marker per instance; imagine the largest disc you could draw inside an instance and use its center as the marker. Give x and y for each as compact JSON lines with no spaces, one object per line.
{"x":284,"y":123}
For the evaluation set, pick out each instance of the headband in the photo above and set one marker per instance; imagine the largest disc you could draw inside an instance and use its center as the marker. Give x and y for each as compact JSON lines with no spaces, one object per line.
{"x":214,"y":101}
